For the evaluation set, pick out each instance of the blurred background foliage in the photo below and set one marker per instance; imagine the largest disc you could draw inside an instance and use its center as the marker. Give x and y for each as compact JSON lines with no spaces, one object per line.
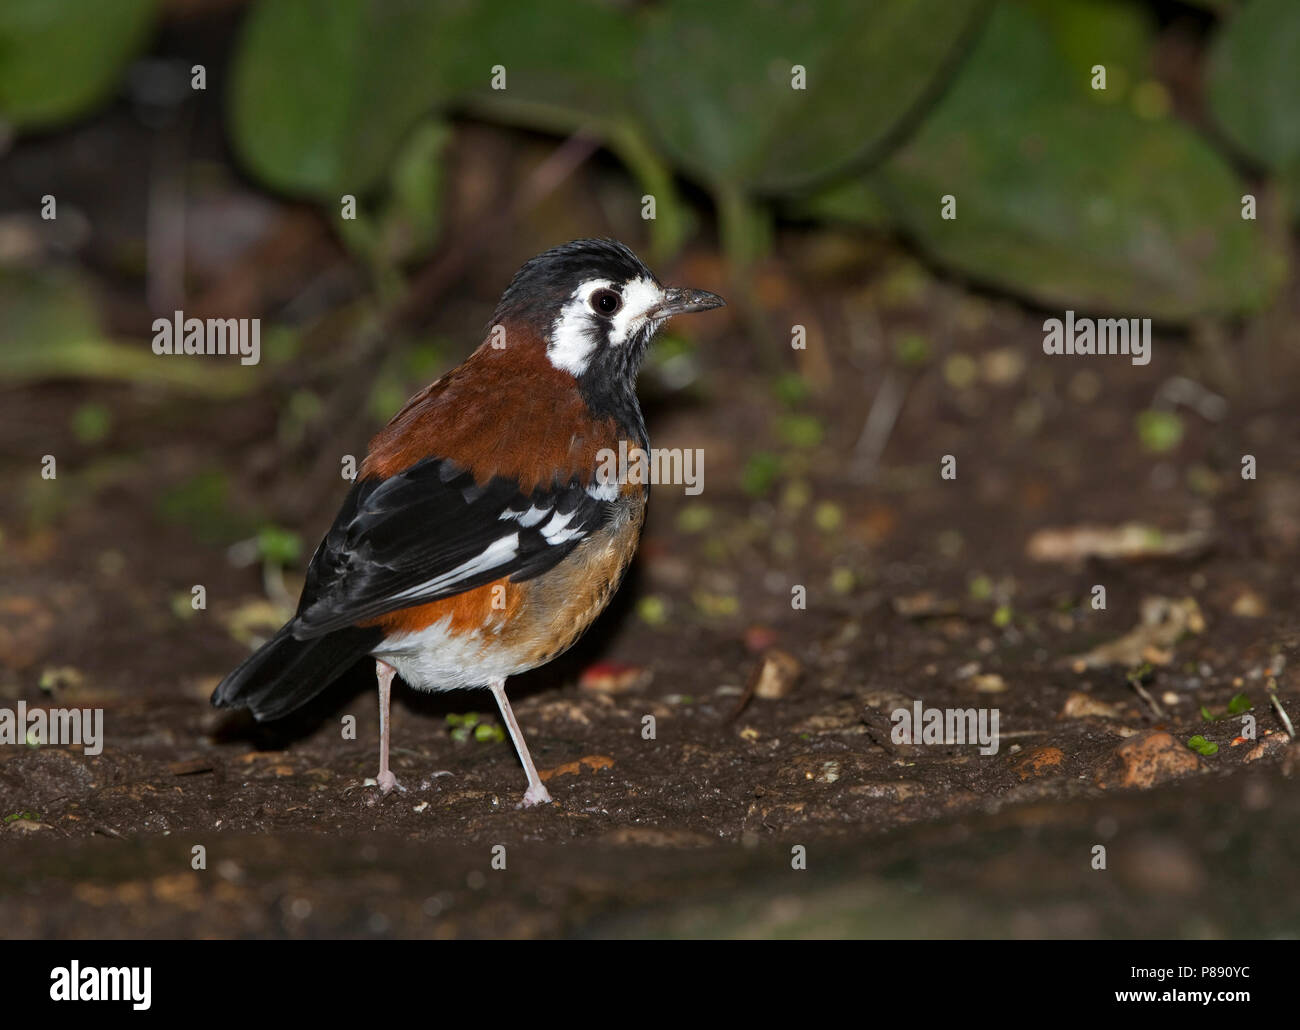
{"x":1106,"y":200}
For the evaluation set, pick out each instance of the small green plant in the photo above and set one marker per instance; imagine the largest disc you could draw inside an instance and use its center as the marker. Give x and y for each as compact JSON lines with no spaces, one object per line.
{"x":278,"y":546}
{"x":800,"y":430}
{"x":1142,"y":674}
{"x":1202,"y":746}
{"x":1159,"y":431}
{"x":761,"y":473}
{"x":28,"y":816}
{"x":1239,"y":705}
{"x":469,"y":725}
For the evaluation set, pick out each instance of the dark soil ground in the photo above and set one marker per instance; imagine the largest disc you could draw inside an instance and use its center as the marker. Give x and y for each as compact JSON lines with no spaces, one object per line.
{"x":917,"y":588}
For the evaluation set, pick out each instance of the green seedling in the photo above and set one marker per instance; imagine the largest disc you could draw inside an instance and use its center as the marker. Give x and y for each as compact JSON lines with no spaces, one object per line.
{"x":1239,"y":705}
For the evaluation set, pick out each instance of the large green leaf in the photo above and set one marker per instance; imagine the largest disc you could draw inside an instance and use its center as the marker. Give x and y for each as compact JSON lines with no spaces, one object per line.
{"x":49,"y":329}
{"x":322,"y":93}
{"x":1255,"y":82}
{"x":1067,"y":200}
{"x":60,"y":57}
{"x":567,"y":62}
{"x":568,"y":66}
{"x":1116,"y":34}
{"x":716,"y":81}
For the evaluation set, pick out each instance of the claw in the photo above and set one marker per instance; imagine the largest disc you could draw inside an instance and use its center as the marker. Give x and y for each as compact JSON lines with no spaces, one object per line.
{"x":535,"y":795}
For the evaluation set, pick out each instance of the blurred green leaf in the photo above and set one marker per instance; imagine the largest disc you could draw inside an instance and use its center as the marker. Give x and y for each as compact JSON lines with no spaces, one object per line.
{"x":912,"y":349}
{"x":50,"y":330}
{"x":322,"y":94}
{"x":760,"y":473}
{"x":1254,"y":82}
{"x":58,"y":58}
{"x":414,"y":210}
{"x":716,"y":81}
{"x":1160,"y":431}
{"x":202,"y":503}
{"x":856,"y":201}
{"x":489,"y":733}
{"x":1071,"y":202}
{"x":567,"y":63}
{"x":91,"y":422}
{"x":1114,"y":33}
{"x":800,"y":430}
{"x":278,"y":546}
{"x":791,"y":389}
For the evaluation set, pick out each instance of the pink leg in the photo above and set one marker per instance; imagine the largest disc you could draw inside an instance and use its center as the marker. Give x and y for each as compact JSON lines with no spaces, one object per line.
{"x":536,"y":793}
{"x":385,"y":673}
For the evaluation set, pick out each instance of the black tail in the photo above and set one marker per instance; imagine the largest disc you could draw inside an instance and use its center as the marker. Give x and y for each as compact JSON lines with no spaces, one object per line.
{"x":285,"y":673}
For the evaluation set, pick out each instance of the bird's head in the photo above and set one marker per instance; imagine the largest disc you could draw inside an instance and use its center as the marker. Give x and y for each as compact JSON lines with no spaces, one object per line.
{"x":595,"y":307}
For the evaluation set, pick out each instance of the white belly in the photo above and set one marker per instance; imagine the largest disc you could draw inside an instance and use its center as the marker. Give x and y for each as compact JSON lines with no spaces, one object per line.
{"x":434,"y":659}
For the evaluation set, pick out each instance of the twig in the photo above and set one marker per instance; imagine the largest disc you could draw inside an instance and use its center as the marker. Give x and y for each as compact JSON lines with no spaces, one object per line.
{"x":881,"y":419}
{"x":1145,"y":695}
{"x":748,"y":694}
{"x":1281,"y":714}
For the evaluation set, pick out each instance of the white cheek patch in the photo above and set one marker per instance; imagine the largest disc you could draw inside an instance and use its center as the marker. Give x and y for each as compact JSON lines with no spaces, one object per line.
{"x":640,"y":296}
{"x":574,"y":334}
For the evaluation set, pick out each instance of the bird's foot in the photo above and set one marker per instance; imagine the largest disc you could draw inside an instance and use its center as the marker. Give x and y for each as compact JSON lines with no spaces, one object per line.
{"x":387,"y":781}
{"x":536,"y":794}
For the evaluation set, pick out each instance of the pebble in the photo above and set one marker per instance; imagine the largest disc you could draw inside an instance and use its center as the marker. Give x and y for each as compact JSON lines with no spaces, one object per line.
{"x":1269,"y":744}
{"x":777,"y":675}
{"x":1039,"y":761}
{"x":1145,"y":760}
{"x":1249,"y":605}
{"x":614,"y":678}
{"x":1080,"y":706}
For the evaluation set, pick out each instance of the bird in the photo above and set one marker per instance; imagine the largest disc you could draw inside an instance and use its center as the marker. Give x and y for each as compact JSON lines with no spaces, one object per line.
{"x":483,"y":532}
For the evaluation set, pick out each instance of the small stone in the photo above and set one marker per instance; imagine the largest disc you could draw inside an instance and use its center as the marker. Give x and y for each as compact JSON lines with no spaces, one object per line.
{"x":829,"y":773}
{"x":28,"y":825}
{"x":614,"y":678}
{"x":989,"y":683}
{"x":1082,"y":706}
{"x":777,"y":675}
{"x":1039,"y":761}
{"x":1145,"y":760}
{"x":591,"y":762}
{"x":1249,"y":605}
{"x":1270,"y":744}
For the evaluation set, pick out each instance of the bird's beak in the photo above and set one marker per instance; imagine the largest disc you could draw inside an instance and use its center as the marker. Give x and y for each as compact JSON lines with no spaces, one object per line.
{"x":679,"y":301}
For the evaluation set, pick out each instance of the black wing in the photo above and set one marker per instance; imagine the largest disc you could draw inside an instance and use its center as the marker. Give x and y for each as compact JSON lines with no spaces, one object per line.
{"x":431,"y":532}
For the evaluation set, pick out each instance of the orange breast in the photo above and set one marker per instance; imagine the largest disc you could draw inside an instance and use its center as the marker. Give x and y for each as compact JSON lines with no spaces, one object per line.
{"x":491,"y":605}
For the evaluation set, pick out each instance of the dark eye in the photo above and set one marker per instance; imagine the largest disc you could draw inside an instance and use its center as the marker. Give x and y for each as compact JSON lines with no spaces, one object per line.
{"x":605,"y":302}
